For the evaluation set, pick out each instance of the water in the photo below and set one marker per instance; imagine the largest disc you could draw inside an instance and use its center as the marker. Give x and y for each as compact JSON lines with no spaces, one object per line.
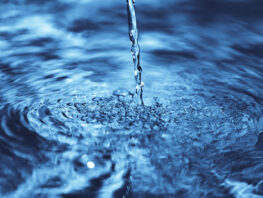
{"x":133,"y":34}
{"x":70,"y":123}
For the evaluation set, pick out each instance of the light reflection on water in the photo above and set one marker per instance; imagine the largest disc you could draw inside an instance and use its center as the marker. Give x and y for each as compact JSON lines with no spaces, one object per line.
{"x":64,"y":133}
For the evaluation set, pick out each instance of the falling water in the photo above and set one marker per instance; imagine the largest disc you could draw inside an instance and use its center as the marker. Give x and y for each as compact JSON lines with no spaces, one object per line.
{"x":135,"y":49}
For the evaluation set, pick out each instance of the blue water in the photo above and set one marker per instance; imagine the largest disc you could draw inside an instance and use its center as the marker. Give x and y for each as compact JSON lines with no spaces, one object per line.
{"x":135,"y":49}
{"x":69,"y":127}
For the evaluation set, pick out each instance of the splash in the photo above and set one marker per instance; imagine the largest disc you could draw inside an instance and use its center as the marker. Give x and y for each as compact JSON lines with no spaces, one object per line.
{"x":135,"y":49}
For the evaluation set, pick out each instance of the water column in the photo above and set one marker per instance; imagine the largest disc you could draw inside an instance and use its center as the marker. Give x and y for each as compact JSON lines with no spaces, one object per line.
{"x":135,"y":49}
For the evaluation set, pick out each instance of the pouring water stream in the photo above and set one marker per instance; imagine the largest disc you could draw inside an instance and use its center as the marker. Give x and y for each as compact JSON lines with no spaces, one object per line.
{"x":135,"y":49}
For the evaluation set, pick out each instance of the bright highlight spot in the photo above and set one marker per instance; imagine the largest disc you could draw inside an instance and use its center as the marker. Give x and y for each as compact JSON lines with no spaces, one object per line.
{"x":90,"y":164}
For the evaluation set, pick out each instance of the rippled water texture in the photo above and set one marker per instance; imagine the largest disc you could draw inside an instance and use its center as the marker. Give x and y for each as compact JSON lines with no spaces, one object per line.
{"x":70,"y":127}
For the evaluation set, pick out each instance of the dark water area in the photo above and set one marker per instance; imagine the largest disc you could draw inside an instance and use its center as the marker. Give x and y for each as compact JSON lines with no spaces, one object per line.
{"x":69,"y":126}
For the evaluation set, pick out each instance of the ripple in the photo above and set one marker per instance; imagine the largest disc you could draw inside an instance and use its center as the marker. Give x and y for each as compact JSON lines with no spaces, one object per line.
{"x":65,"y":132}
{"x":154,"y":143}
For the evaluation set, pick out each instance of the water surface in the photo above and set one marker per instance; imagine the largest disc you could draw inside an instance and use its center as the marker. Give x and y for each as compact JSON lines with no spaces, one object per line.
{"x":70,"y":128}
